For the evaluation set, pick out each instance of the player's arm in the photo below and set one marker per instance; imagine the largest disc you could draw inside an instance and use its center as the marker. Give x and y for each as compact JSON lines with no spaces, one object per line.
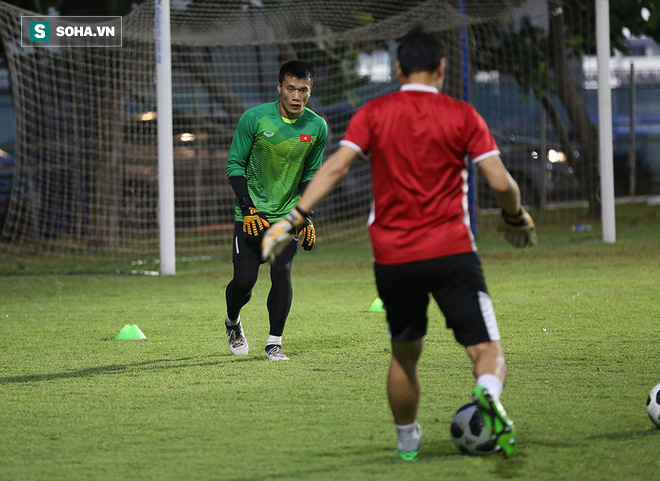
{"x":517,"y":224}
{"x":326,"y":179}
{"x":504,"y":187}
{"x":241,"y":145}
{"x":254,"y":221}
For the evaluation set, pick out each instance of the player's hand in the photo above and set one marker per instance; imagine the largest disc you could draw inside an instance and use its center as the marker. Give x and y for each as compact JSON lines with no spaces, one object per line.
{"x":308,"y":234}
{"x":518,"y":228}
{"x":278,"y":236}
{"x":254,"y":222}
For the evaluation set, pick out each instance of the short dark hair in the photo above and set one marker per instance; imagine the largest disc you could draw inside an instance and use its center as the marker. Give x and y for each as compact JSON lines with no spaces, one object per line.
{"x":296,"y":68}
{"x":419,"y":51}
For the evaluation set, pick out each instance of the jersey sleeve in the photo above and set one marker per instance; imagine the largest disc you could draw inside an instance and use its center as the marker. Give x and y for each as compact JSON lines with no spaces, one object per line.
{"x":358,"y":134}
{"x":315,"y":157}
{"x":241,"y":145}
{"x":480,"y":142}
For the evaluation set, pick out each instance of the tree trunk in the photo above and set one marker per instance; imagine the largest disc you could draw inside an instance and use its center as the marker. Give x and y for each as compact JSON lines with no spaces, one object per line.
{"x":585,"y":132}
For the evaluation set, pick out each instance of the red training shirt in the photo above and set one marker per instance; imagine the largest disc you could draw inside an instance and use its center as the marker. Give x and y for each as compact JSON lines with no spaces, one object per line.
{"x":419,"y":139}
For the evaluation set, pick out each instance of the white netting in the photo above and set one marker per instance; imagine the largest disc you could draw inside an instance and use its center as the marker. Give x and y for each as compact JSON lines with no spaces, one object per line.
{"x":86,"y":180}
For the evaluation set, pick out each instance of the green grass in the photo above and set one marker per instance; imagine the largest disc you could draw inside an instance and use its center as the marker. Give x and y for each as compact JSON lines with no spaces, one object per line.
{"x":579,"y":323}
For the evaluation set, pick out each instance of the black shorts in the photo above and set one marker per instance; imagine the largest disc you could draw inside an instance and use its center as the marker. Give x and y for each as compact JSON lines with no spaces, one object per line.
{"x":458,"y":286}
{"x":242,"y":248}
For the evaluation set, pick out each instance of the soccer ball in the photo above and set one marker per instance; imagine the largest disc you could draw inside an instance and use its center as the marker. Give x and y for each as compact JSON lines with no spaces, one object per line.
{"x":469,"y":433}
{"x":653,"y":405}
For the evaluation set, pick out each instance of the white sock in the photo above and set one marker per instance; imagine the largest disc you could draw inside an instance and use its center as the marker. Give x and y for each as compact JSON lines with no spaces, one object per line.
{"x":408,"y":436}
{"x":233,"y":323}
{"x":274,"y":340}
{"x":492,"y":383}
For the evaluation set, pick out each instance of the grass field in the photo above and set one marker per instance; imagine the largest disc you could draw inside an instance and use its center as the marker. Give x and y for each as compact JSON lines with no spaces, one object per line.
{"x":579,"y":323}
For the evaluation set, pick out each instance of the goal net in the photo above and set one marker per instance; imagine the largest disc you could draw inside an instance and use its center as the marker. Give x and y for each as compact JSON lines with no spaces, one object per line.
{"x":85,"y":171}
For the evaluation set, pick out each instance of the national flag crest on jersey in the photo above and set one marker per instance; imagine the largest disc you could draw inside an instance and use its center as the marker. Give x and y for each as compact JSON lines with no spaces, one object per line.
{"x":305,"y":138}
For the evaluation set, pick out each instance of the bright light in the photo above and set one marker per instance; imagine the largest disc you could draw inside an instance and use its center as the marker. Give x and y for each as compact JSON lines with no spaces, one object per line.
{"x":147,"y":116}
{"x":556,"y":156}
{"x":646,"y":14}
{"x":187,"y":137}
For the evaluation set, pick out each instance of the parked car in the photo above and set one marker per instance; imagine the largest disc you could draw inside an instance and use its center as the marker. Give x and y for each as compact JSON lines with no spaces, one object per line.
{"x":543,"y":175}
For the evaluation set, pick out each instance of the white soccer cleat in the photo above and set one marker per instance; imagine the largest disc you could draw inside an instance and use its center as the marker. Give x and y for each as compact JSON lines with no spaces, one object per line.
{"x":238,"y":345}
{"x":274,"y":353}
{"x":410,"y":455}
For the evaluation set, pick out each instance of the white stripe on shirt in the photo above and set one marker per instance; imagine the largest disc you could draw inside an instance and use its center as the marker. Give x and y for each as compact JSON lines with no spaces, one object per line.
{"x":485,"y":156}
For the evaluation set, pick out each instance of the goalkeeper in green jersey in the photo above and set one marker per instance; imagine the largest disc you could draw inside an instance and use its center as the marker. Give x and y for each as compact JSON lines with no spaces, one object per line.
{"x":276,"y":150}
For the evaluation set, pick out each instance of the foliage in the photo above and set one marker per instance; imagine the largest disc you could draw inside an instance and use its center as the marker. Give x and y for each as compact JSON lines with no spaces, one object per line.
{"x":534,"y":65}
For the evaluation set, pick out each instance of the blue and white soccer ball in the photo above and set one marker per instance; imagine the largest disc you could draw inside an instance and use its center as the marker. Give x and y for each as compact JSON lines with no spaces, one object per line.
{"x":469,"y":433}
{"x":653,"y":405}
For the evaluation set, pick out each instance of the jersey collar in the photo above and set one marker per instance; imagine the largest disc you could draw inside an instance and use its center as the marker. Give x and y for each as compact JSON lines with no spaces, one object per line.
{"x":277,"y":109}
{"x":419,"y":88}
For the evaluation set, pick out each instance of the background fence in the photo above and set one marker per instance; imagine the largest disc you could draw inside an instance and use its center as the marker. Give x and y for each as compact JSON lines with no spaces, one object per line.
{"x":79,"y":175}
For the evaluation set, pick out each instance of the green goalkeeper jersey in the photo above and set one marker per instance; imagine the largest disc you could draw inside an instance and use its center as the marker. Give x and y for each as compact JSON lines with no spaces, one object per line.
{"x":275,"y":157}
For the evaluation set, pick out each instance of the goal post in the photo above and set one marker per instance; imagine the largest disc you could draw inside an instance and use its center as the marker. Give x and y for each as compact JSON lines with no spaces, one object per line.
{"x":605,"y":124}
{"x":167,"y":234}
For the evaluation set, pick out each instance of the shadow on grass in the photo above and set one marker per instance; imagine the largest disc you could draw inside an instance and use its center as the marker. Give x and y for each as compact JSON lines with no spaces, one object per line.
{"x":385,"y":460}
{"x":502,"y":468}
{"x":625,"y":435}
{"x":612,"y":436}
{"x":154,"y":364}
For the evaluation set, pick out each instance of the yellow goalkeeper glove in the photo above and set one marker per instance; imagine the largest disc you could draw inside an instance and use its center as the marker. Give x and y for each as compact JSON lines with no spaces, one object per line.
{"x":518,"y":228}
{"x":254,"y":222}
{"x":281,"y":233}
{"x":307,"y":235}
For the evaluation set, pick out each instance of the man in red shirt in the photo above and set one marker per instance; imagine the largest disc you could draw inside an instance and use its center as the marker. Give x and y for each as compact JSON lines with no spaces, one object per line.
{"x":419,"y":227}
